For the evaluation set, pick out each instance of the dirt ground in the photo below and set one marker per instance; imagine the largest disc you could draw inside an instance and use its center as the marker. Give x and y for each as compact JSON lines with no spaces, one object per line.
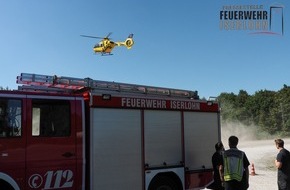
{"x":262,"y":155}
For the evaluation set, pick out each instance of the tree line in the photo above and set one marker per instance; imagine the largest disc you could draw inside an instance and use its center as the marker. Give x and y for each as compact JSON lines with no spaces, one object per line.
{"x":268,"y":110}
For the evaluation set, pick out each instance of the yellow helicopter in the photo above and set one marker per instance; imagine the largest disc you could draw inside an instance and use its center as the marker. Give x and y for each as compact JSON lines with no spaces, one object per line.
{"x":106,"y":46}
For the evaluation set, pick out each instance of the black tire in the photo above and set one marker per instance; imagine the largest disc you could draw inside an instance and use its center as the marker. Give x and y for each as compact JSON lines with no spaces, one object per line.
{"x":6,"y":186}
{"x":164,"y":183}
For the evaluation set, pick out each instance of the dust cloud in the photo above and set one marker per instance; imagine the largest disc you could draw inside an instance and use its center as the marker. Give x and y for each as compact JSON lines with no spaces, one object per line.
{"x":243,"y":132}
{"x":260,"y":149}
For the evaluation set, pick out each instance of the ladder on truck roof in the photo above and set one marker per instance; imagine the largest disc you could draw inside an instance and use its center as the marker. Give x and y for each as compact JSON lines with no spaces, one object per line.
{"x":47,"y":83}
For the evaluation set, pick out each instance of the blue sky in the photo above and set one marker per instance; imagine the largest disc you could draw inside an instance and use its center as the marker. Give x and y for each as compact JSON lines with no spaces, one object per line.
{"x":178,"y":44}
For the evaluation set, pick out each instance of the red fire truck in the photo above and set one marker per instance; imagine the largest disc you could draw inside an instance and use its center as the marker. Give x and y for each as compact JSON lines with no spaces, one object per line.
{"x":85,"y":134}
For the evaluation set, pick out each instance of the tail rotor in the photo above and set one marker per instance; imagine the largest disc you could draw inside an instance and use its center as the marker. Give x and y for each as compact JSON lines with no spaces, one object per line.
{"x":129,"y":42}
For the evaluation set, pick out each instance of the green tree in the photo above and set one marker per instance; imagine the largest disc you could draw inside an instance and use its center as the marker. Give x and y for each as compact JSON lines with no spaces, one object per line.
{"x":227,"y":104}
{"x":269,"y":110}
{"x":282,"y":110}
{"x":242,"y":113}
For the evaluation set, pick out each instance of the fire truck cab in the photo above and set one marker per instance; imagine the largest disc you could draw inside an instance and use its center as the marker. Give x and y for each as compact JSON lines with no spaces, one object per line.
{"x":85,"y":134}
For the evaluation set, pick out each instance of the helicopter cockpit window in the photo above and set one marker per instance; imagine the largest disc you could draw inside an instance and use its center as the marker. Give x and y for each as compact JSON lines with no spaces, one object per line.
{"x":10,"y":118}
{"x":98,"y":45}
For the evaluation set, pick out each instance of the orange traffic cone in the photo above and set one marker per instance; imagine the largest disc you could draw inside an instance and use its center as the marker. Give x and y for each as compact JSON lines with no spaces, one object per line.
{"x":253,"y":169}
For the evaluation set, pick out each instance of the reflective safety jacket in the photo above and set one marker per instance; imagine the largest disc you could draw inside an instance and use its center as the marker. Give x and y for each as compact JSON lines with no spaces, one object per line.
{"x":233,"y":164}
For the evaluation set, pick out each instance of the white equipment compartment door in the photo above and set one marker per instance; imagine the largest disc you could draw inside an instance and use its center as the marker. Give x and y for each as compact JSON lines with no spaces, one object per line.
{"x":116,"y":149}
{"x":201,"y":133}
{"x":162,"y":137}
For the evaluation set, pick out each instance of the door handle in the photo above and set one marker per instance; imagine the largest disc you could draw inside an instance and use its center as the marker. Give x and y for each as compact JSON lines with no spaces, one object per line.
{"x":67,"y":154}
{"x":4,"y":154}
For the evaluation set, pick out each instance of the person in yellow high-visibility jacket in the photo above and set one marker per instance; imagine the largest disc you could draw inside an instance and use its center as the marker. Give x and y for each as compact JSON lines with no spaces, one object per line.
{"x":234,"y":169}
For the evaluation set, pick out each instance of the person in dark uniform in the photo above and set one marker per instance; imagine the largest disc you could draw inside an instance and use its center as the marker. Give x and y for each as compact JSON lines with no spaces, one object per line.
{"x":282,"y":163}
{"x":216,"y":162}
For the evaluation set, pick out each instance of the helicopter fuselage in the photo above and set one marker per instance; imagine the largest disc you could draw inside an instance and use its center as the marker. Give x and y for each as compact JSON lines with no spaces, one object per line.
{"x":106,"y":46}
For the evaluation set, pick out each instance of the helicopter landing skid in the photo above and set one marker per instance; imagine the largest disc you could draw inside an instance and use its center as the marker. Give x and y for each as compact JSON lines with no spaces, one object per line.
{"x":107,"y":54}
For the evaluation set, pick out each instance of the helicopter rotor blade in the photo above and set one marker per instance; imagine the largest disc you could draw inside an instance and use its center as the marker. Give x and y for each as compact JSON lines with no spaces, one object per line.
{"x":108,"y":35}
{"x":92,"y":37}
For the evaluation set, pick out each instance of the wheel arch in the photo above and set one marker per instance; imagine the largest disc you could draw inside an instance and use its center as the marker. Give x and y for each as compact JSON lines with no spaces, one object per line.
{"x":176,"y":174}
{"x":4,"y":178}
{"x":170,"y":175}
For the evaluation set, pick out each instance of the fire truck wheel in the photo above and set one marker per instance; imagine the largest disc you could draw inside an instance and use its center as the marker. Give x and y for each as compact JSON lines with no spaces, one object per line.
{"x":163,"y":182}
